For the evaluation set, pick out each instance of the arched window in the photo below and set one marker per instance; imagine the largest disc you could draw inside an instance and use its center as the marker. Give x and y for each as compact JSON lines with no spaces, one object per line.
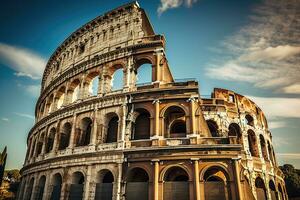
{"x":74,"y":88}
{"x":144,"y":74}
{"x":280,"y":191}
{"x":272,"y":190}
{"x":235,"y":130}
{"x":57,"y":184}
{"x":117,"y":80}
{"x":40,"y":188}
{"x":76,"y":188}
{"x":252,"y":143}
{"x":60,"y":97}
{"x":213,"y":128}
{"x":260,"y":189}
{"x":175,"y":122}
{"x":216,"y":185}
{"x":50,"y":140}
{"x":104,"y":186}
{"x":29,"y":189}
{"x":141,"y":128}
{"x":65,"y":136}
{"x":32,"y":148}
{"x":263,"y":147}
{"x":270,"y":150}
{"x":40,"y":144}
{"x":85,"y":131}
{"x":249,"y":120}
{"x":137,"y":184}
{"x":176,"y":184}
{"x":112,"y":130}
{"x":49,"y":104}
{"x":93,"y":86}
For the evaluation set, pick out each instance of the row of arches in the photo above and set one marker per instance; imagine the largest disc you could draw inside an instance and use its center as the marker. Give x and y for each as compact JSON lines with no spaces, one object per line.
{"x":115,"y":78}
{"x":262,"y":193}
{"x":177,"y":183}
{"x":253,"y":142}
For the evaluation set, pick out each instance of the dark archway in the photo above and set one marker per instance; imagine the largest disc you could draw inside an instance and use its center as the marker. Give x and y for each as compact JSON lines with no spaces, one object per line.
{"x":50,"y":140}
{"x":57,"y":184}
{"x":76,"y":188}
{"x":112,"y":130}
{"x":65,"y":136}
{"x":216,"y":184}
{"x":252,"y":143}
{"x":175,"y":122}
{"x":260,"y":189}
{"x":104,"y":186}
{"x":176,"y":185}
{"x":29,"y":189}
{"x":40,"y":144}
{"x":235,"y":130}
{"x":263,"y":147}
{"x":83,"y":134}
{"x":213,"y":128}
{"x":137,"y":184}
{"x":141,"y":129}
{"x":272,"y":190}
{"x":40,"y":188}
{"x":249,"y":120}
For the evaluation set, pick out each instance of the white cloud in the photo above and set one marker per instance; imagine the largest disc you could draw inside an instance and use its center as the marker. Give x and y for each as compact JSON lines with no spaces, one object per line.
{"x":275,"y":107}
{"x":5,"y":119}
{"x":23,"y":61}
{"x":33,"y":90}
{"x":170,"y":4}
{"x":24,"y":115}
{"x":289,"y":155}
{"x":276,"y":124}
{"x":266,"y":52}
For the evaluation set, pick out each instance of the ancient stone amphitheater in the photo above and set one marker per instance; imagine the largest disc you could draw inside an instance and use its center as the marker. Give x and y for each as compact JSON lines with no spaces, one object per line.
{"x":156,"y":140}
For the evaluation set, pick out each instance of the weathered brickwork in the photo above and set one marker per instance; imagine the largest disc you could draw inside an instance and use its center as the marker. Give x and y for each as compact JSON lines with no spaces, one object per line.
{"x":158,"y":140}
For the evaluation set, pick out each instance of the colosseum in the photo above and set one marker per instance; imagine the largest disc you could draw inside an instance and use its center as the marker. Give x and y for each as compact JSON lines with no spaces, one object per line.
{"x":159,"y":140}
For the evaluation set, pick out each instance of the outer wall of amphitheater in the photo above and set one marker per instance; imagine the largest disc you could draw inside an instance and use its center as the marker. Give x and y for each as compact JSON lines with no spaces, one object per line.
{"x":155,"y":140}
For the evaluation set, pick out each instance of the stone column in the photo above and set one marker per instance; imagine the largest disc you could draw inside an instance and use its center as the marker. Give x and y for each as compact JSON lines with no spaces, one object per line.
{"x":122,"y":125}
{"x":158,"y":54}
{"x":95,"y":128}
{"x":87,"y":183}
{"x":156,"y":120}
{"x":155,"y":180}
{"x":192,"y":101}
{"x":238,"y":179}
{"x":197,"y":179}
{"x":101,"y":85}
{"x":119,"y":183}
{"x":72,"y":136}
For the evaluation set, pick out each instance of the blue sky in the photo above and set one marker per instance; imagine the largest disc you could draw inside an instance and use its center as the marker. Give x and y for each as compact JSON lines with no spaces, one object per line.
{"x":251,"y":47}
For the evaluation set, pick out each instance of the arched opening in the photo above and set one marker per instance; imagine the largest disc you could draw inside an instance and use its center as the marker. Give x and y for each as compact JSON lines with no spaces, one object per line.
{"x":260,"y":189}
{"x":137,"y":184}
{"x":93,"y":86}
{"x":213,"y":128}
{"x":112,"y":130}
{"x":144,"y":74}
{"x":104,"y":186}
{"x":65,"y":136}
{"x":74,"y":88}
{"x":280,"y":192}
{"x":60,"y":97}
{"x":40,"y":188}
{"x":216,"y":185}
{"x":117,"y":80}
{"x":57,"y":184}
{"x":252,"y":143}
{"x":50,"y":140}
{"x":32,"y":148}
{"x":141,"y":128}
{"x":272,"y":190}
{"x":263,"y":147}
{"x":29,"y":189}
{"x":84,"y":132}
{"x":76,"y":188}
{"x":235,"y":130}
{"x":40,"y":144}
{"x":176,"y":184}
{"x":49,"y":104}
{"x":270,"y":150}
{"x":249,"y":120}
{"x":175,"y":122}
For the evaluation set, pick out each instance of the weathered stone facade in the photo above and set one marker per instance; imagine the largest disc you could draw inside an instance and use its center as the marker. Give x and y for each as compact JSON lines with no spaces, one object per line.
{"x":158,"y":140}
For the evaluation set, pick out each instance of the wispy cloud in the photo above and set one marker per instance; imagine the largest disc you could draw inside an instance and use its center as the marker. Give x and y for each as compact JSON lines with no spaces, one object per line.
{"x":275,"y":107}
{"x":4,"y":119}
{"x":23,"y":61}
{"x":170,"y":4}
{"x":289,"y":155}
{"x":24,"y":115}
{"x":33,"y":90}
{"x":277,"y":124}
{"x":266,"y":52}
